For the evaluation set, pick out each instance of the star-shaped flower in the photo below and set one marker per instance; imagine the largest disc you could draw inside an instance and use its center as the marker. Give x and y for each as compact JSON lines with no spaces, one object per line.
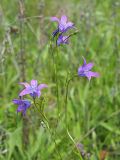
{"x":85,"y":70}
{"x":33,"y":88}
{"x":62,"y":40}
{"x":23,"y":105}
{"x":63,"y":25}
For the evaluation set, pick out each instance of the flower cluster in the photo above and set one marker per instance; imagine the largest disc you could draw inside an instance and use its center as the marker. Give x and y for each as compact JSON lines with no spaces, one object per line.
{"x":63,"y":27}
{"x":33,"y":89}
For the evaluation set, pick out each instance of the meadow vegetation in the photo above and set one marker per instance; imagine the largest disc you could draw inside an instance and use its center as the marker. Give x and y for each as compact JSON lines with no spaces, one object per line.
{"x":93,"y":107}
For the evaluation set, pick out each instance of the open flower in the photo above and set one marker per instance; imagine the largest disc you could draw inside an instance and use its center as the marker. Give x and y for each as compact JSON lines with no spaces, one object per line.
{"x":62,"y":40}
{"x":63,"y":25}
{"x":85,"y":70}
{"x":33,"y":88}
{"x":23,"y":105}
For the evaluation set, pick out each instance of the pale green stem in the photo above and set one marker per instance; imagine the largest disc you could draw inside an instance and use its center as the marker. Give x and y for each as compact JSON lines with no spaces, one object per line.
{"x":57,"y":84}
{"x":66,"y":97}
{"x":55,"y":60}
{"x":47,"y":125}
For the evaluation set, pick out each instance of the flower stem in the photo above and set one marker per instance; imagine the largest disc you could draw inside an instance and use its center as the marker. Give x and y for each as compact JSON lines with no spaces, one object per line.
{"x":44,"y":118}
{"x":57,"y":83}
{"x":55,"y":65}
{"x":68,"y":80}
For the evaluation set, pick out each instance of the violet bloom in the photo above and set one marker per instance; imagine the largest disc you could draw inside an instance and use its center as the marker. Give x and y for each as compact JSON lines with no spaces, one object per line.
{"x":85,"y":70}
{"x":63,"y":25}
{"x":33,"y":88}
{"x":62,"y":40}
{"x":23,"y":105}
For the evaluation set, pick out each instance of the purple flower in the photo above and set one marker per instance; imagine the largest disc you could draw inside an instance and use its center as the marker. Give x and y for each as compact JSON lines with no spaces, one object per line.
{"x":63,"y":25}
{"x":23,"y":105}
{"x":33,"y":88}
{"x":85,"y":70}
{"x":62,"y":40}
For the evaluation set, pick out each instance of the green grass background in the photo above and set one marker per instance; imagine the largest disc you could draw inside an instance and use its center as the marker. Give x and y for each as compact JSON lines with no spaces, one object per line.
{"x":93,"y":108}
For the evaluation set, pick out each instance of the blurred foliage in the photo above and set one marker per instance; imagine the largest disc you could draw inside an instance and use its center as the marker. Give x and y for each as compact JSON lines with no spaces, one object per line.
{"x":93,"y":107}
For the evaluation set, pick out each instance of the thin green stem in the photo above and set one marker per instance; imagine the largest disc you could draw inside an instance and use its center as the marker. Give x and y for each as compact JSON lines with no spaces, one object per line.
{"x":44,"y":118}
{"x":68,"y":80}
{"x":57,"y":83}
{"x":52,"y":137}
{"x":74,"y":144}
{"x":55,"y":65}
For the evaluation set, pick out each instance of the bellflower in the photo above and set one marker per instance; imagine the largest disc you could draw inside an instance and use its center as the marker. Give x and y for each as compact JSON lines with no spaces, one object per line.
{"x":63,"y":24}
{"x":85,"y":70}
{"x":33,"y":88}
{"x":62,"y":40}
{"x":23,"y":105}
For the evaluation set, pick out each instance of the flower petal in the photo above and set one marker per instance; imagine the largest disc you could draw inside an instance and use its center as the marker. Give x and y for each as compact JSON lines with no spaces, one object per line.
{"x":17,"y":101}
{"x":59,"y":40}
{"x":62,"y":40}
{"x":25,"y":84}
{"x":54,"y":19}
{"x":27,"y":103}
{"x":62,"y":28}
{"x":69,"y":25}
{"x":88,"y":66}
{"x":41,"y":86}
{"x":20,"y":108}
{"x":84,"y":61}
{"x":91,"y":74}
{"x":65,"y":39}
{"x":25,"y":91}
{"x":34,"y":83}
{"x":80,"y":70}
{"x":63,"y":19}
{"x":23,"y":105}
{"x":39,"y":94}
